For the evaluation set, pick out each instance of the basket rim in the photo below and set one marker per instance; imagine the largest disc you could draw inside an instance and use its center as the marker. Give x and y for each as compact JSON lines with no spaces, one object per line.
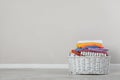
{"x":88,"y":56}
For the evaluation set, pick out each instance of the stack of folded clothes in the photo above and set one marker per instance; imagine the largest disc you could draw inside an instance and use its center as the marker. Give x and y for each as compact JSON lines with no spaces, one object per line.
{"x":89,"y":48}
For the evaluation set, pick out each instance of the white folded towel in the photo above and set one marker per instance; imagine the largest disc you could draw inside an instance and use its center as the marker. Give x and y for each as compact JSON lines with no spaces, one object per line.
{"x":84,"y":41}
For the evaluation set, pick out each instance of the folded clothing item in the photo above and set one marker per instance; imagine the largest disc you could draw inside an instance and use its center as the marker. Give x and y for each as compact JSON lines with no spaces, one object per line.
{"x":98,"y":49}
{"x":76,"y":52}
{"x":90,"y":49}
{"x":83,"y":45}
{"x":89,"y":53}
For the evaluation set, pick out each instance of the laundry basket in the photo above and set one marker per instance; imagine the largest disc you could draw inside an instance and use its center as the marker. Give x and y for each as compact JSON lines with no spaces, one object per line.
{"x":89,"y":64}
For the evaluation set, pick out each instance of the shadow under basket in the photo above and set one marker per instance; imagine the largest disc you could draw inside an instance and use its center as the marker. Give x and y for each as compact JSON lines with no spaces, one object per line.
{"x":89,"y":64}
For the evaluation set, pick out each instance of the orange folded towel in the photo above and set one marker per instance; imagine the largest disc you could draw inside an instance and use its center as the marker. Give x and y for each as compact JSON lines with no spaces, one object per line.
{"x":86,"y":44}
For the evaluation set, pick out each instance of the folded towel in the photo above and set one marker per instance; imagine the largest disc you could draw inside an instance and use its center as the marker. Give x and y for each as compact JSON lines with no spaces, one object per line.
{"x":84,"y":41}
{"x":98,"y":49}
{"x":83,"y":45}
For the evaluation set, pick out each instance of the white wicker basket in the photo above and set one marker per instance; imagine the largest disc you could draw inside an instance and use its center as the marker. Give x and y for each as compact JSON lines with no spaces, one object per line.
{"x":89,"y":64}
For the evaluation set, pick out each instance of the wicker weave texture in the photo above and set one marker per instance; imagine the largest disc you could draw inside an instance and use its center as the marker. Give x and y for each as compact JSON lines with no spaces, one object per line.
{"x":89,"y":64}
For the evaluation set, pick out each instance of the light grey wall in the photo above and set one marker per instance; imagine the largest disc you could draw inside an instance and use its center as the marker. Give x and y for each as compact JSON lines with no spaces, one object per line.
{"x":44,"y":31}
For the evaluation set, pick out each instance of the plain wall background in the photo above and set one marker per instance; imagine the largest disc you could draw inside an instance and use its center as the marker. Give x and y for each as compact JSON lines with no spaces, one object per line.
{"x":44,"y":31}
